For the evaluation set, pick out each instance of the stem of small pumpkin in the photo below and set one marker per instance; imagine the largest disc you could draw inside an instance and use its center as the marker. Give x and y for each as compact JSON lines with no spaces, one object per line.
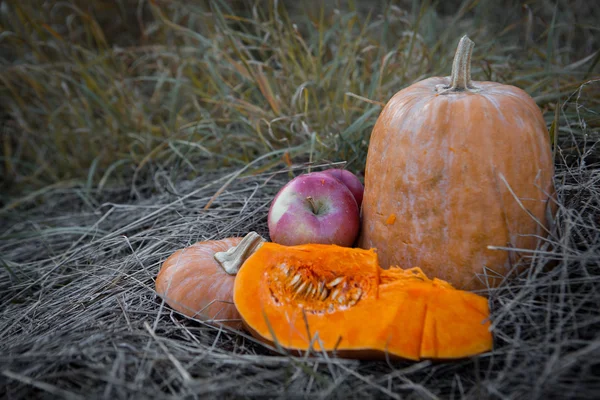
{"x":233,"y":259}
{"x":460,"y":80}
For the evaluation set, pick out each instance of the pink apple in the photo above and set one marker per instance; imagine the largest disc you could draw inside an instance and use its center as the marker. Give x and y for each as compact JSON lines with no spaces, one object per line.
{"x":314,"y":208}
{"x":350,"y":180}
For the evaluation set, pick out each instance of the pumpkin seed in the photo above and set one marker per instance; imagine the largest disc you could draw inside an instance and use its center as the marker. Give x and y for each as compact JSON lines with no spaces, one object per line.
{"x":300,"y":288}
{"x":324,"y":294}
{"x":321,"y":287}
{"x":295,"y":280}
{"x":285,"y":268}
{"x":335,"y":294}
{"x":335,"y":282}
{"x":309,"y":287}
{"x":311,"y":292}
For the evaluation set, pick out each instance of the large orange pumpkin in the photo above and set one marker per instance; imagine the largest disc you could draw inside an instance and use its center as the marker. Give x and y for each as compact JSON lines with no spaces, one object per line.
{"x":455,"y":166}
{"x":337,"y":299}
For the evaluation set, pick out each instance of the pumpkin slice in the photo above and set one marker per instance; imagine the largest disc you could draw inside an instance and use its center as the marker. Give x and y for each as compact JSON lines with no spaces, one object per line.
{"x":333,"y":298}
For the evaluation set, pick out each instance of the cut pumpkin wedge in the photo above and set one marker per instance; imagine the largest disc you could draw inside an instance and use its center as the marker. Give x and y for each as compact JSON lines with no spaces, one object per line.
{"x":338,"y":300}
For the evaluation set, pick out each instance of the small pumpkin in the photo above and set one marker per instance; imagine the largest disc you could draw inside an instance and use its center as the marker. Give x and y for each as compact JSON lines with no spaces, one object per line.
{"x":332,"y":298}
{"x":198,"y":280}
{"x":455,"y":166}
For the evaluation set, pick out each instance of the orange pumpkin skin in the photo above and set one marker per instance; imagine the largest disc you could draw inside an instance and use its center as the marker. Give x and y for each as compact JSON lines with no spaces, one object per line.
{"x":442,"y":164}
{"x":331,"y":298}
{"x":193,"y":283}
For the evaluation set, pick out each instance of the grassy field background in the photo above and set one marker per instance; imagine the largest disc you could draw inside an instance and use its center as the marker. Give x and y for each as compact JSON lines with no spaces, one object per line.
{"x":133,"y":128}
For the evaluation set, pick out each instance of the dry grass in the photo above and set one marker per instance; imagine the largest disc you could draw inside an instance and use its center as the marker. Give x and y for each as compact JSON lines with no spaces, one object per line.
{"x":81,"y":317}
{"x":122,"y":120}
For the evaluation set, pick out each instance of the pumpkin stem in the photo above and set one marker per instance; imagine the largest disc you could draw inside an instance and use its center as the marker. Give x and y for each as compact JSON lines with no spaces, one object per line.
{"x":232,"y":259}
{"x":460,"y":80}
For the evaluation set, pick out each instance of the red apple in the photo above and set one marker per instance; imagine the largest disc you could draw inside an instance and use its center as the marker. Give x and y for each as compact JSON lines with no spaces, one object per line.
{"x":314,"y":208}
{"x":350,"y":180}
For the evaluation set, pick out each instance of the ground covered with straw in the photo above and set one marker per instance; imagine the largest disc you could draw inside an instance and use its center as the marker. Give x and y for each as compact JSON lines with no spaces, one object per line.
{"x":134,"y":128}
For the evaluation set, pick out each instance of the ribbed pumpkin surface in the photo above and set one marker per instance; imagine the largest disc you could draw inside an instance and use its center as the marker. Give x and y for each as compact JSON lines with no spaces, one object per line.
{"x":439,"y":174}
{"x":193,"y":283}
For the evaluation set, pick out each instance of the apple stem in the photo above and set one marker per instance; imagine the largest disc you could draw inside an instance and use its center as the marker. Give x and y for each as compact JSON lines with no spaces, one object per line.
{"x":312,"y":203}
{"x":233,"y":259}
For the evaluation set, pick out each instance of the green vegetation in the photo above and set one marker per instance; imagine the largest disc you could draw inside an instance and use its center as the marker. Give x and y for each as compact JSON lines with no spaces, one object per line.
{"x":109,"y":92}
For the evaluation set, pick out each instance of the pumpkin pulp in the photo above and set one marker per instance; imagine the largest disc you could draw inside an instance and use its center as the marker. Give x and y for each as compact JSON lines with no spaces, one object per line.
{"x":331,"y":298}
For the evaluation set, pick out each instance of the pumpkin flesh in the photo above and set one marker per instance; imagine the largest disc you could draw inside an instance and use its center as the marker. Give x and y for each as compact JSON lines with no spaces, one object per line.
{"x":331,"y":298}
